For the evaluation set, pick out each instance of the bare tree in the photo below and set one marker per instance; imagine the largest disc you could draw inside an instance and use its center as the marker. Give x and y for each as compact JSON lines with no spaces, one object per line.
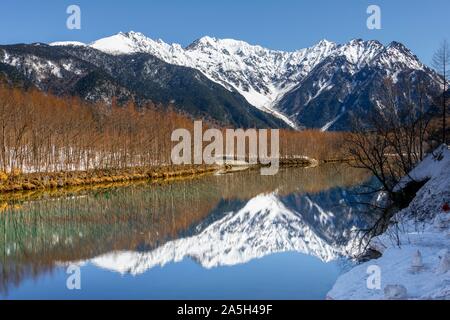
{"x":392,"y":140}
{"x":441,"y":62}
{"x":389,"y":142}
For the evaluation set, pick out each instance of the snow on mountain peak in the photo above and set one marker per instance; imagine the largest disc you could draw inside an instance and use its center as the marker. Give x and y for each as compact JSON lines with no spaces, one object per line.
{"x":263,"y":76}
{"x":67,"y":43}
{"x":205,"y":40}
{"x":324,"y":43}
{"x":359,"y":52}
{"x":132,"y":34}
{"x":122,"y":43}
{"x":396,"y":56}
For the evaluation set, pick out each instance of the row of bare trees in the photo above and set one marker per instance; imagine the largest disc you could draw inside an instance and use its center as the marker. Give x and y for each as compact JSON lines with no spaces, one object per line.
{"x":313,"y":143}
{"x":43,"y":133}
{"x":40,"y":132}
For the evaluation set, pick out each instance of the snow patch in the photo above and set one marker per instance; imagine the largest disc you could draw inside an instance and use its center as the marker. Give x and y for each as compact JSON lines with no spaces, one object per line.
{"x":422,"y":227}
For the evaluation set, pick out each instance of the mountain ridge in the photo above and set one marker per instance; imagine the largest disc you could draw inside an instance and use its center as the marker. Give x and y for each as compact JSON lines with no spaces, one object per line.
{"x":324,"y":86}
{"x":97,"y":76}
{"x":279,"y":82}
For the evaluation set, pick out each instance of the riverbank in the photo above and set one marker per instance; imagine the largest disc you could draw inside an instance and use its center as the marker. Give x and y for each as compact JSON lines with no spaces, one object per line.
{"x":59,"y":180}
{"x":415,"y":260}
{"x":48,"y":181}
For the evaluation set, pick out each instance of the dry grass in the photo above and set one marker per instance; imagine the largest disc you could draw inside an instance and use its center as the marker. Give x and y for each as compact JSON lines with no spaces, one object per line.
{"x":59,"y":180}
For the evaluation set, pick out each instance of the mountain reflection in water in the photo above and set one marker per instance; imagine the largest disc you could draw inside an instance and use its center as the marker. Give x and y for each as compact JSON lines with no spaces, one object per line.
{"x":215,"y":221}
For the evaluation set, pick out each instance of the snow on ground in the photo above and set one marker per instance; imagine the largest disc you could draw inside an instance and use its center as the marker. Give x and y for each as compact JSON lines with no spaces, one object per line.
{"x":67,"y":43}
{"x":328,"y":125}
{"x":419,"y":259}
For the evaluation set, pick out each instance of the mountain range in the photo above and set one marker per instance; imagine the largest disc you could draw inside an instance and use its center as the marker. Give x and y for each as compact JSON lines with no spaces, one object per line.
{"x":265,"y":225}
{"x":227,"y":81}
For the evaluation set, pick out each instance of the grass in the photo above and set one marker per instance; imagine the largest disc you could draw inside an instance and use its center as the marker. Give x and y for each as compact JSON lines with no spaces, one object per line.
{"x":60,"y":180}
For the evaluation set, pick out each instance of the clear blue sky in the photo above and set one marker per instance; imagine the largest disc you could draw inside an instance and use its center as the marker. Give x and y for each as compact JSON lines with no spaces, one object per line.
{"x":276,"y":24}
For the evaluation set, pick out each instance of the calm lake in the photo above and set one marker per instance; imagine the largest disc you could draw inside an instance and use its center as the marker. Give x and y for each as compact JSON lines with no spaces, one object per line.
{"x":235,"y":236}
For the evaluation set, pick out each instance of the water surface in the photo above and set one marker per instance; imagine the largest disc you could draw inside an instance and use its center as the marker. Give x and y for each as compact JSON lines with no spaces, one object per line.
{"x":237,"y":236}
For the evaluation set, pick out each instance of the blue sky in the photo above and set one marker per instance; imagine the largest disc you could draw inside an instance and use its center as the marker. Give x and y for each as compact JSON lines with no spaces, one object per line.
{"x":276,"y":24}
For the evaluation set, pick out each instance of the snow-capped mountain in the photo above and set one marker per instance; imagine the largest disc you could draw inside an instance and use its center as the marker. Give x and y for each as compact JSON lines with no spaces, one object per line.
{"x":268,"y":78}
{"x":265,"y":225}
{"x":76,"y":69}
{"x":351,"y":85}
{"x":322,"y":86}
{"x":261,"y":75}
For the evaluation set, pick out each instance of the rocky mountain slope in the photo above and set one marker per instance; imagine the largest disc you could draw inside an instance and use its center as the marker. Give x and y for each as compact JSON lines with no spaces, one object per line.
{"x":324,"y":86}
{"x":97,"y":76}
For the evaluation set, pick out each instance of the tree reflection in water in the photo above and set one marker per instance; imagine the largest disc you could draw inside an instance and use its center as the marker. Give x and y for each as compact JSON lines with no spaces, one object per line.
{"x":40,"y":234}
